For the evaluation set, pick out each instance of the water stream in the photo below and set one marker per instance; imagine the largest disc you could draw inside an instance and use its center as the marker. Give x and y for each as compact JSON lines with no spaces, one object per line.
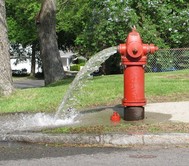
{"x":66,"y":112}
{"x":66,"y":108}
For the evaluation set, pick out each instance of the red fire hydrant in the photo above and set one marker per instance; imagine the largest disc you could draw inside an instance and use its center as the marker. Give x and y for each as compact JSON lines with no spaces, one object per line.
{"x":133,"y":56}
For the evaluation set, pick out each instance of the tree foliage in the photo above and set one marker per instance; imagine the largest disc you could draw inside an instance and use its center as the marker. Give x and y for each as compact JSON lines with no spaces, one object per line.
{"x":22,"y":29}
{"x":96,"y":24}
{"x":21,"y":21}
{"x":88,"y":26}
{"x":22,"y":18}
{"x":91,"y":25}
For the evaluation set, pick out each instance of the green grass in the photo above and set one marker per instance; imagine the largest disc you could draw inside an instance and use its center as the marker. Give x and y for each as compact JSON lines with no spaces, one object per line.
{"x":45,"y":99}
{"x":101,"y":90}
{"x":168,"y":86}
{"x":123,"y":128}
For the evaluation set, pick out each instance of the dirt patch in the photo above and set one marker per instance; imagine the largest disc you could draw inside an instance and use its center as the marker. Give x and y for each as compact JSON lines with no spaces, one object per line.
{"x":176,"y":76}
{"x":127,"y":129}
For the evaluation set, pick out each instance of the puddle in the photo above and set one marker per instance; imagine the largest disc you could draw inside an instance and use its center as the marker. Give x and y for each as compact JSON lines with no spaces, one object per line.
{"x":101,"y":116}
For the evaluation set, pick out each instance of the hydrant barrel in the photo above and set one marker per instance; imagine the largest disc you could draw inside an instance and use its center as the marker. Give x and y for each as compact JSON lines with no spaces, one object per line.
{"x":134,"y":86}
{"x":134,"y":59}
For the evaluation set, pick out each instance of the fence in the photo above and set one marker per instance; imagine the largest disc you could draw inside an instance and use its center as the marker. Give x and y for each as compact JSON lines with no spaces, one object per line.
{"x":168,"y":60}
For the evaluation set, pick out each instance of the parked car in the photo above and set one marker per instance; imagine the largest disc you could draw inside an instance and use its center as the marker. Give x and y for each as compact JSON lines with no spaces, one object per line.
{"x":22,"y":72}
{"x":16,"y":72}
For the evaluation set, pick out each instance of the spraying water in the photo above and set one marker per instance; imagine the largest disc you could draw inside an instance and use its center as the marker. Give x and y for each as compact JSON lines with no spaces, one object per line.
{"x":66,"y":112}
{"x":27,"y":122}
{"x":66,"y":108}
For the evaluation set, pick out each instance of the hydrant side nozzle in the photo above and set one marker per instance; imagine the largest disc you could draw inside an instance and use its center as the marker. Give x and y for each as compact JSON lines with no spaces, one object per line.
{"x":149,"y":48}
{"x":153,"y":48}
{"x":122,"y":49}
{"x":146,"y":49}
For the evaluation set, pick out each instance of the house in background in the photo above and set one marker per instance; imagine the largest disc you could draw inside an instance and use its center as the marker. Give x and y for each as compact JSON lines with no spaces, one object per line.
{"x":19,"y":66}
{"x":67,"y":58}
{"x":23,"y":66}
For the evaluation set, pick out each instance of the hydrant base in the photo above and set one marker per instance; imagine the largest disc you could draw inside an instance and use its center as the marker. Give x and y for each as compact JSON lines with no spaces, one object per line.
{"x":133,"y":113}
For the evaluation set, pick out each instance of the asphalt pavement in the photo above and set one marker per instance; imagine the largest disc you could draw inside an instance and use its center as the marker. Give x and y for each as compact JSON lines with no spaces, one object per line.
{"x":21,"y":154}
{"x":23,"y":83}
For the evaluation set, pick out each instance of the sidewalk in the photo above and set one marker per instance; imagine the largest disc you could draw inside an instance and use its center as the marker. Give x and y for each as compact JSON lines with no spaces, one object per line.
{"x":155,"y":113}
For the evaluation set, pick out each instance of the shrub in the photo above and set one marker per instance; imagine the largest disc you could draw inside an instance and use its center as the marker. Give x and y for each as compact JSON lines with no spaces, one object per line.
{"x":81,"y":61}
{"x":82,"y":64}
{"x":75,"y":67}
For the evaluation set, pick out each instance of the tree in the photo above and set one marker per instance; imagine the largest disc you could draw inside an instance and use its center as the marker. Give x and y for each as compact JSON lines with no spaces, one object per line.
{"x":22,"y":29}
{"x":22,"y":16}
{"x":53,"y":69}
{"x":164,"y":23}
{"x":98,"y":24}
{"x":6,"y":85}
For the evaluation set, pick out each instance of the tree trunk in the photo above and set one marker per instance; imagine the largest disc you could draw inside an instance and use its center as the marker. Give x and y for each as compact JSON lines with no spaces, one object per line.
{"x":53,"y":68}
{"x":33,"y":62}
{"x":6,"y":84}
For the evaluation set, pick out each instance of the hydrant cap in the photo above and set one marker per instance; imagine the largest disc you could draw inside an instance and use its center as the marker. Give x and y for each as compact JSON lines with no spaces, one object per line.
{"x":153,"y":48}
{"x":135,"y":49}
{"x":134,"y":44}
{"x":115,"y":117}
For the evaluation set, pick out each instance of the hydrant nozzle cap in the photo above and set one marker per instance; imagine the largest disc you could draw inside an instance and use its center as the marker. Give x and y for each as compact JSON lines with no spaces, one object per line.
{"x":115,"y":117}
{"x":153,"y":48}
{"x":122,"y":49}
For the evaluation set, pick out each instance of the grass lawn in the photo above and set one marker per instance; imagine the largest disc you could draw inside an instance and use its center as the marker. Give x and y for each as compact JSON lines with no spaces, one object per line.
{"x":167,"y":86}
{"x":101,"y":90}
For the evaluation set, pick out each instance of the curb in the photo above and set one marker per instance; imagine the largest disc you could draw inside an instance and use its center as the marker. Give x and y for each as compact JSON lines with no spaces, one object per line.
{"x":100,"y":140}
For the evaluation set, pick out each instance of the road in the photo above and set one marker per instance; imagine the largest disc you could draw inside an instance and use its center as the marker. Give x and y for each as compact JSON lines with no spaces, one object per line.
{"x":27,"y":83}
{"x":18,"y":154}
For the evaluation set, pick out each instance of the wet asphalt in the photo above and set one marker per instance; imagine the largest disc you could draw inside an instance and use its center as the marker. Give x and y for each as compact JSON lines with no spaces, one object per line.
{"x":18,"y":154}
{"x":16,"y":151}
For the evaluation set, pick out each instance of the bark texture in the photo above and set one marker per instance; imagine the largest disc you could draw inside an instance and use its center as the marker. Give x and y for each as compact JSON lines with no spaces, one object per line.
{"x":6,"y":84}
{"x":53,"y":69}
{"x":33,"y":61}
